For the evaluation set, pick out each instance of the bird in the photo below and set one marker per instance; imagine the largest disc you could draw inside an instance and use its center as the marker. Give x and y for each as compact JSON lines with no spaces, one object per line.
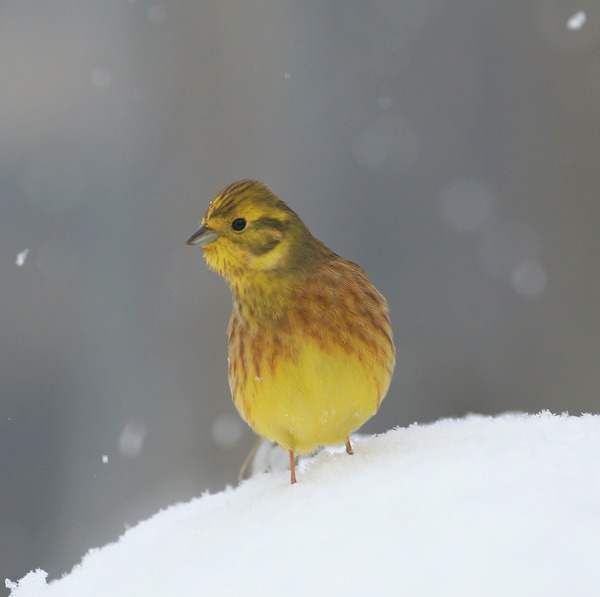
{"x":311,"y":349}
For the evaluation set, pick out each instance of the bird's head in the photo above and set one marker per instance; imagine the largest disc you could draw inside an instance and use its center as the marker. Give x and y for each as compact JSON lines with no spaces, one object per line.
{"x":247,"y":228}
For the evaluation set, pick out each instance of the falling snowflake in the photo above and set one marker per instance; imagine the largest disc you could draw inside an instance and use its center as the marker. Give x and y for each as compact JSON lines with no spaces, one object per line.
{"x":577,"y":21}
{"x":21,"y":257}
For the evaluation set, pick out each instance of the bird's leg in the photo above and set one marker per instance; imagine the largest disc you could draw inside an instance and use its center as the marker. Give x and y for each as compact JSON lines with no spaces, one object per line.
{"x":349,"y":447}
{"x":292,"y":467}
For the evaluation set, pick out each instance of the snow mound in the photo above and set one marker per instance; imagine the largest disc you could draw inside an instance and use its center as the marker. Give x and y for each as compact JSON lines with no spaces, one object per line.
{"x":479,"y":506}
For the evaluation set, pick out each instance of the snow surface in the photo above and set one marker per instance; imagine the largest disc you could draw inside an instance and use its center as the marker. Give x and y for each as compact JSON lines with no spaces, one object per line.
{"x":481,"y":506}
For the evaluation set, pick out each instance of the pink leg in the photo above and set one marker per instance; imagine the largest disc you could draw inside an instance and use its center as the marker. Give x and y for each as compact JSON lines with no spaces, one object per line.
{"x":349,"y":447}
{"x":292,"y":467}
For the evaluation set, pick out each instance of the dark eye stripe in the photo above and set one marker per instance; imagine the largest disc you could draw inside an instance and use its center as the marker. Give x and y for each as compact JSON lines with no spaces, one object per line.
{"x":273,"y":223}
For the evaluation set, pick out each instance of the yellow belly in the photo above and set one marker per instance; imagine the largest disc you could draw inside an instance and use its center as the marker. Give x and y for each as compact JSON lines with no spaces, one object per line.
{"x":316,"y":399}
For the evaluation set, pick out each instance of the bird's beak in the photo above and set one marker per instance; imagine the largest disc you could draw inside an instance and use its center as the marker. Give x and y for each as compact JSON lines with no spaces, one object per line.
{"x":202,"y":237}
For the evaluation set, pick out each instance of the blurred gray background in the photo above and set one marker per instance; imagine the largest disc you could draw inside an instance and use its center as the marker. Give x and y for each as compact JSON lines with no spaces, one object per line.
{"x":450,"y":148}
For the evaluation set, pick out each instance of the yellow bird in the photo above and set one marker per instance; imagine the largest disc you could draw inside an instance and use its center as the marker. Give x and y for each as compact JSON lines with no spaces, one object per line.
{"x":311,"y":353}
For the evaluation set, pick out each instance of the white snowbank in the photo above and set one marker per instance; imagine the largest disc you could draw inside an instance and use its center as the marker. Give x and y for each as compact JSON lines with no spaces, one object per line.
{"x":505,"y":506}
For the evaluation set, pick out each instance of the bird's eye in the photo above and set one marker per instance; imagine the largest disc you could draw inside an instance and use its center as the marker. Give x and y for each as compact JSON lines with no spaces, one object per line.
{"x":238,"y":224}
